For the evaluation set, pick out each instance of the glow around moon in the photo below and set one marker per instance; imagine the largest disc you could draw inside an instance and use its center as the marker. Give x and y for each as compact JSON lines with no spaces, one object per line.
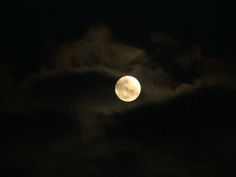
{"x":127,"y":88}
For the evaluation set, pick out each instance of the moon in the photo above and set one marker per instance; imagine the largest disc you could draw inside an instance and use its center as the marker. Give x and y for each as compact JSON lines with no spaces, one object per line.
{"x":127,"y":88}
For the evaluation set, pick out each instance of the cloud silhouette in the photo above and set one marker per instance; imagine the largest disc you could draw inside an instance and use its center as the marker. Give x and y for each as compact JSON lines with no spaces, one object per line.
{"x":181,"y":137}
{"x":65,"y":118}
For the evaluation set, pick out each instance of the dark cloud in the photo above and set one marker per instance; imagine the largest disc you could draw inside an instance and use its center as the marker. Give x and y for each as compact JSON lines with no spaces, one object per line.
{"x":81,"y":76}
{"x":65,"y":119}
{"x":96,"y":48}
{"x":163,"y":39}
{"x":191,"y":129}
{"x":187,"y":136}
{"x":168,"y":68}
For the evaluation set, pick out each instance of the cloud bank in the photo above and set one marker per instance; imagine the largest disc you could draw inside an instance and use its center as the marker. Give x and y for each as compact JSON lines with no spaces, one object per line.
{"x":165,"y":71}
{"x":83,"y":72}
{"x":66,"y":117}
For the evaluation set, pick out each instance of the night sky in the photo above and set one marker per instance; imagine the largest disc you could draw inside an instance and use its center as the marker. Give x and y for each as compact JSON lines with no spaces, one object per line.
{"x":60,"y":60}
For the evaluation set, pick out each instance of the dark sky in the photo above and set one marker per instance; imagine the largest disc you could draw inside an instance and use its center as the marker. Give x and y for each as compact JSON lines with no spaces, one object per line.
{"x":60,"y":60}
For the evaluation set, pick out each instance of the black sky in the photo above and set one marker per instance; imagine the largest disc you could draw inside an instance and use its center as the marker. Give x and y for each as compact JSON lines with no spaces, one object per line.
{"x":37,"y":25}
{"x":59,"y":61}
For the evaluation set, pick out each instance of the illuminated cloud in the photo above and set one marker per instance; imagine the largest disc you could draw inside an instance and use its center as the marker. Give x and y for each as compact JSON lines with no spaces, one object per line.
{"x":83,"y":72}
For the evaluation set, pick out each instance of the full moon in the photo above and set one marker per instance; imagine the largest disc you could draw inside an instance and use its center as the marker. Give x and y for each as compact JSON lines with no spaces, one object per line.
{"x":127,"y":88}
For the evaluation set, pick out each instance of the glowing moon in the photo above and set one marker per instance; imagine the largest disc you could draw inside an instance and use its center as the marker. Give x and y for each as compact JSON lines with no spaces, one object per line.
{"x":127,"y":88}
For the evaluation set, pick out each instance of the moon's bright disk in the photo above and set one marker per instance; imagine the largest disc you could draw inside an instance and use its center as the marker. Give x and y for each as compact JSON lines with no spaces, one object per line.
{"x":128,"y":88}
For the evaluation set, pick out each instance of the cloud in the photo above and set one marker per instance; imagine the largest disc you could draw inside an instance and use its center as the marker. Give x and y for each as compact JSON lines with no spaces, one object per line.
{"x":80,"y":77}
{"x":67,"y":119}
{"x":178,"y":138}
{"x":161,"y":38}
{"x":82,"y":74}
{"x":96,"y":48}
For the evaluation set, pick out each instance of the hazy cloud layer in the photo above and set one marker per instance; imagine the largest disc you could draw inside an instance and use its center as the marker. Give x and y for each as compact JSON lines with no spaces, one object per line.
{"x":81,"y":77}
{"x":96,"y":48}
{"x":66,"y":120}
{"x":168,"y":70}
{"x":71,"y":78}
